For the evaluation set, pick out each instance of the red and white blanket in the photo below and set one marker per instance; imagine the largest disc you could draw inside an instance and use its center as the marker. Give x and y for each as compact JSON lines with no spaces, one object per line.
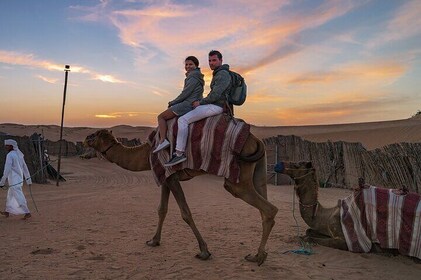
{"x":212,"y":146}
{"x":382,"y":216}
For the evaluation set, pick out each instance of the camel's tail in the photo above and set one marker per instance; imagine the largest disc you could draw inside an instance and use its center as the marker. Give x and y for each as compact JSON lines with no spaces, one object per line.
{"x":257,"y":155}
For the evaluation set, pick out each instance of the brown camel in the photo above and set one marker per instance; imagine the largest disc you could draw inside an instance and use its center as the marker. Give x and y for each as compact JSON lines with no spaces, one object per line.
{"x":325,"y":225}
{"x":251,"y":186}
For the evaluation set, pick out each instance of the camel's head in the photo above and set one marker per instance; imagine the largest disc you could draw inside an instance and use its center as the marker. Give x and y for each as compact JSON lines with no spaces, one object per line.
{"x":301,"y":172}
{"x":100,"y":140}
{"x":294,"y":169}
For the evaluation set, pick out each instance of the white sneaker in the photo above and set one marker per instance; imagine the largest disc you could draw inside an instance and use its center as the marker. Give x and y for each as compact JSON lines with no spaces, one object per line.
{"x":161,"y":146}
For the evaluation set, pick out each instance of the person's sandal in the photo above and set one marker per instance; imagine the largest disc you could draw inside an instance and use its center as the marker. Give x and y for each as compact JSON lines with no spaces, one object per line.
{"x":27,"y":216}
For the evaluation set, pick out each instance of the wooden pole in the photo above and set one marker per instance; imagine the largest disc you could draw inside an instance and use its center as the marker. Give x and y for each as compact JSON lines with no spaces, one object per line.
{"x":66,"y":72}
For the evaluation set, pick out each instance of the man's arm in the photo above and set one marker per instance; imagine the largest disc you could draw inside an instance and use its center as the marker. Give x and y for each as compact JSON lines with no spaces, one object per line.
{"x":26,"y":173}
{"x":222,"y":82}
{"x":7,"y":169}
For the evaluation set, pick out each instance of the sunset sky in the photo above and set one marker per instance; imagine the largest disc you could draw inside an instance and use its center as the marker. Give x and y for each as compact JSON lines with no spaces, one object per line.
{"x":305,"y":62}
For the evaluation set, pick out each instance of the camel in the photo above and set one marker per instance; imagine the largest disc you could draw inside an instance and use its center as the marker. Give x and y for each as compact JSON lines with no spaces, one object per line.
{"x":325,"y":224}
{"x":251,"y":186}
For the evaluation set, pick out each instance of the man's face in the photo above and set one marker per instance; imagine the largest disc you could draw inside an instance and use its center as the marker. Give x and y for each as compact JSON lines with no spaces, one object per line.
{"x":214,"y":62}
{"x":8,"y":147}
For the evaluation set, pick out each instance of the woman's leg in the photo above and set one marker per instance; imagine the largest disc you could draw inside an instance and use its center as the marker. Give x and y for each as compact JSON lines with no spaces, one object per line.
{"x":200,"y":112}
{"x":162,"y":123}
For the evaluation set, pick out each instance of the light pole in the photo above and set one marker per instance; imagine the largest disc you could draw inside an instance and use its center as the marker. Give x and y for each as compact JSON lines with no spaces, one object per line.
{"x":66,"y":73}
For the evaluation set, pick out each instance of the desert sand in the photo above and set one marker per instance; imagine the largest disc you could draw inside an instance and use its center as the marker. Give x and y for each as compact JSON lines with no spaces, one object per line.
{"x":95,"y":225}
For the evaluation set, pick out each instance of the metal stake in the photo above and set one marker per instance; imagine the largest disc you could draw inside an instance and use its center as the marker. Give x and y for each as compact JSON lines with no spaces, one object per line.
{"x":66,"y":71}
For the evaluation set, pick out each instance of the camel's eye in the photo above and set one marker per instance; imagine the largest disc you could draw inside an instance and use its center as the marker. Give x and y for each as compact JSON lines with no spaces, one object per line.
{"x":91,"y":137}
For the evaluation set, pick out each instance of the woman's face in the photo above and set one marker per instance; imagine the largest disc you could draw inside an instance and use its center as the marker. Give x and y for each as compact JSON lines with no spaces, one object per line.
{"x":189,"y":65}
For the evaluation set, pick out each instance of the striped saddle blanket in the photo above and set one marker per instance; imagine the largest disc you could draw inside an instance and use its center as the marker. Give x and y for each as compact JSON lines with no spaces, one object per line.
{"x":212,"y":146}
{"x":383,"y":216}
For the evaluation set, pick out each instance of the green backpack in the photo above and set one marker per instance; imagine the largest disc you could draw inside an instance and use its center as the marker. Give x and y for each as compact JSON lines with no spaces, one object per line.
{"x":238,"y":91}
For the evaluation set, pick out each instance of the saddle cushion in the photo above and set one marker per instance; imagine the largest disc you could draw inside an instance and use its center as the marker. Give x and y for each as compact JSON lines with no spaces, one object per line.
{"x":383,"y":216}
{"x":212,"y":146}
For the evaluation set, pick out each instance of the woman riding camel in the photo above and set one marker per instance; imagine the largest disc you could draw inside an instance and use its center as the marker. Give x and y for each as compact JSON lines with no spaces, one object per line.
{"x":192,"y":91}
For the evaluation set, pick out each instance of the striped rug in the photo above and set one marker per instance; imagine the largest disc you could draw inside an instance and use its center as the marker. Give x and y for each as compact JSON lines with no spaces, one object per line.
{"x":212,"y":146}
{"x":383,"y":216}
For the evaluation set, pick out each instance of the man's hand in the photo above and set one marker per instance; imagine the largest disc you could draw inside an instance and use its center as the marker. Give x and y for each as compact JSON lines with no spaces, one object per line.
{"x":195,"y":104}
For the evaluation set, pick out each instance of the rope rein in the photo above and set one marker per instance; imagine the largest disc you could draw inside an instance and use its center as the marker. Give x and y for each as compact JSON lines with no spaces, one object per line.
{"x":104,"y":153}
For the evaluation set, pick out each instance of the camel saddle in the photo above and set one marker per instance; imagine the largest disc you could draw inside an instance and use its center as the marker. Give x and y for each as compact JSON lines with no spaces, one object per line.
{"x":212,"y":146}
{"x":383,"y":216}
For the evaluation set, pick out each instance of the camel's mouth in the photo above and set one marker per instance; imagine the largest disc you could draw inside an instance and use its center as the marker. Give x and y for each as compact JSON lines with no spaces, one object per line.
{"x":89,"y":140}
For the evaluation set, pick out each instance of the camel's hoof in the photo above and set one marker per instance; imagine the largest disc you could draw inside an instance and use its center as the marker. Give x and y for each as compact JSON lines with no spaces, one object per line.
{"x":203,"y":256}
{"x":153,"y":243}
{"x":259,"y":258}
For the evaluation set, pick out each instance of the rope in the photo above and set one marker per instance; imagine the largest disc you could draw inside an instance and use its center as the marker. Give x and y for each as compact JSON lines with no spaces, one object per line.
{"x":306,"y":248}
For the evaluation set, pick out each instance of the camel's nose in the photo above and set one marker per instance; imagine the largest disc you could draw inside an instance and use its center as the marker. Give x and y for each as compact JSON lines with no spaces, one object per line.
{"x":279,"y":167}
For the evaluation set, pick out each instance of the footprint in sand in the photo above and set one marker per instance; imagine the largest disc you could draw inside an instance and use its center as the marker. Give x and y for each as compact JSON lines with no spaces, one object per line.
{"x":46,"y":251}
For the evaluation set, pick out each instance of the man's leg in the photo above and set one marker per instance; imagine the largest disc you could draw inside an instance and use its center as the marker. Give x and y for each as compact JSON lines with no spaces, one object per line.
{"x":200,"y":112}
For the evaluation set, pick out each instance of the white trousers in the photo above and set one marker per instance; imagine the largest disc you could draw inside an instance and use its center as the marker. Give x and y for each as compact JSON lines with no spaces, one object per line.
{"x":16,"y":202}
{"x":200,"y":112}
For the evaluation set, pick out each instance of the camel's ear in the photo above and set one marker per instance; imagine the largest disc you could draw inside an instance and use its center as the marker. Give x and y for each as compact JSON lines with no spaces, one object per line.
{"x":309,"y":165}
{"x":111,"y":132}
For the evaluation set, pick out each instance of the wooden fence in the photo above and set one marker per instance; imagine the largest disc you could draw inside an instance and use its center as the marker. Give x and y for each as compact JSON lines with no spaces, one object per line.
{"x":340,"y":164}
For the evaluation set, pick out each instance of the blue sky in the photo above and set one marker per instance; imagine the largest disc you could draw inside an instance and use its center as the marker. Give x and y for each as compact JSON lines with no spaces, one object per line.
{"x":305,"y":62}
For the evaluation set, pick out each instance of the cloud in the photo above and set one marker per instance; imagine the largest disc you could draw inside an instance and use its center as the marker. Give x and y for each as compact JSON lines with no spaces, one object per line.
{"x":116,"y":115}
{"x":405,"y":24}
{"x":264,"y":32}
{"x":372,"y":72}
{"x":48,"y":80}
{"x":29,"y":60}
{"x":264,"y":98}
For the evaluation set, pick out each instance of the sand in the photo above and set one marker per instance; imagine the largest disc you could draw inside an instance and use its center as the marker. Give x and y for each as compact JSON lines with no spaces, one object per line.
{"x":95,"y":225}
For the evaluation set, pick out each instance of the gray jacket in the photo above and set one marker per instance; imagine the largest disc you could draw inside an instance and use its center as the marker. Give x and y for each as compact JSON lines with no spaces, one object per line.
{"x":220,"y":85}
{"x":192,"y":91}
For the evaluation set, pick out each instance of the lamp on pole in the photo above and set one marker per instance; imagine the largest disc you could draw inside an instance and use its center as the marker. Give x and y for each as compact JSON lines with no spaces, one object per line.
{"x":66,"y":73}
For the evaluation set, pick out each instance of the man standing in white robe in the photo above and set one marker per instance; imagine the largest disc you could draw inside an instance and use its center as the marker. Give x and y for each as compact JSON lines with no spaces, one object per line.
{"x":15,"y":169}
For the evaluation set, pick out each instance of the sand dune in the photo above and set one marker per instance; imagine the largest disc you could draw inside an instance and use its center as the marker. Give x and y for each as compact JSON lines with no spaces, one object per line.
{"x":372,"y":135}
{"x":95,"y":225}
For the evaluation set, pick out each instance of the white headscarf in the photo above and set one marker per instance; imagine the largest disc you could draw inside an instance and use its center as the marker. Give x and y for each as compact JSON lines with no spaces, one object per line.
{"x":14,"y":144}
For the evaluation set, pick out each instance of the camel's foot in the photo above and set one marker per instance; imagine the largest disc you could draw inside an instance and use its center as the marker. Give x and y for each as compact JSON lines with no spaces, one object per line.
{"x":153,"y":243}
{"x":203,"y":255}
{"x":324,"y":240}
{"x":259,"y":258}
{"x":5,"y":213}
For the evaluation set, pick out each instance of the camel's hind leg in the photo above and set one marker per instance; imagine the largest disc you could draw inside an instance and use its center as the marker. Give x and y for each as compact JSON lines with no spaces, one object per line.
{"x":246,"y":191}
{"x":178,"y":193}
{"x":259,"y":177}
{"x":162,"y":212}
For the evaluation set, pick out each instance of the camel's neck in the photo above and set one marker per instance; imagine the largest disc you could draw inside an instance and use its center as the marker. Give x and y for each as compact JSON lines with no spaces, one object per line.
{"x":130,"y":158}
{"x":307,"y":190}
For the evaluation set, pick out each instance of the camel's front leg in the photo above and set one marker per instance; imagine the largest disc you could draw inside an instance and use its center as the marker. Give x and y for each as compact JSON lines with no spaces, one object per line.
{"x":178,"y":193}
{"x":162,"y":212}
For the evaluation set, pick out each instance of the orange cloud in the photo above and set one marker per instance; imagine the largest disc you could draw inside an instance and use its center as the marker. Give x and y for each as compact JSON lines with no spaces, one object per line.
{"x":115,"y":115}
{"x":385,"y":70}
{"x":264,"y":98}
{"x":29,"y":60}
